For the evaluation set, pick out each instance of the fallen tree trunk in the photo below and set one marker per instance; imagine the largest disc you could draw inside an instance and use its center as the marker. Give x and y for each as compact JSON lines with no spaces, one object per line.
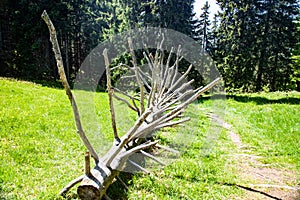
{"x":95,"y":185}
{"x":160,"y":106}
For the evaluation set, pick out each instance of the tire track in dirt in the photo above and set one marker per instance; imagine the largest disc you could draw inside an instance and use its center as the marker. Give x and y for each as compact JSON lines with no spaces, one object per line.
{"x":266,"y":182}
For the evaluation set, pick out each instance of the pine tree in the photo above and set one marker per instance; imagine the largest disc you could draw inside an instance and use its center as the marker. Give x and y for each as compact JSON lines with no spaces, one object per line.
{"x":234,"y":43}
{"x":81,"y":25}
{"x":255,"y":39}
{"x":172,"y":14}
{"x":27,"y":52}
{"x":277,"y":41}
{"x":204,"y":31}
{"x":296,"y":58}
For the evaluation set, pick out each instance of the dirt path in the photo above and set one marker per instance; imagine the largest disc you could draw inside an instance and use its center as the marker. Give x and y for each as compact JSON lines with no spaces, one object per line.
{"x":258,"y":180}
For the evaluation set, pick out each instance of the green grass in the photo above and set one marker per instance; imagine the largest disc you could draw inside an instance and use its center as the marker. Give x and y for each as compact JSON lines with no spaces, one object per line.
{"x":270,"y":124}
{"x":41,"y":152}
{"x":198,"y":173}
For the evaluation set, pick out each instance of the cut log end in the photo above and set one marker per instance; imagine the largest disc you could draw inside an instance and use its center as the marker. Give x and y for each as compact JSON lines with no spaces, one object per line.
{"x":88,"y":192}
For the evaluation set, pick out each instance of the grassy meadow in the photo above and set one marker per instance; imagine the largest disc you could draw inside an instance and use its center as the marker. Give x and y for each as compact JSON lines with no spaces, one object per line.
{"x":270,"y":124}
{"x":40,"y":151}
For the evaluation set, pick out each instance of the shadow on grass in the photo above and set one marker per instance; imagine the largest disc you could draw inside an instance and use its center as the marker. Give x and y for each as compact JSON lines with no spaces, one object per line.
{"x":51,"y":84}
{"x":256,"y":100}
{"x":117,"y":190}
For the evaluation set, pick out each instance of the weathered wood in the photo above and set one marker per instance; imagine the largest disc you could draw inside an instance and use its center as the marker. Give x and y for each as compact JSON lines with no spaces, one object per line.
{"x":110,"y":95}
{"x":153,"y":157}
{"x":166,"y":103}
{"x":142,"y":89}
{"x":87,"y":167}
{"x":64,"y":191}
{"x":59,"y":62}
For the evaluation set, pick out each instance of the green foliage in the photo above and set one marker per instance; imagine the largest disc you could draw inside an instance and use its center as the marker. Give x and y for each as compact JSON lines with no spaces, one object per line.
{"x":41,"y":150}
{"x":26,"y":47}
{"x":201,"y":170}
{"x":296,"y":59}
{"x":254,"y":44}
{"x":204,"y":32}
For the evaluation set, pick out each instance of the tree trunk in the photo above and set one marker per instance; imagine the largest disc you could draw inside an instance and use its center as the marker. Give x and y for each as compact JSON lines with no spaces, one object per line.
{"x":95,"y":185}
{"x":262,"y":62}
{"x":67,"y":58}
{"x":1,"y":35}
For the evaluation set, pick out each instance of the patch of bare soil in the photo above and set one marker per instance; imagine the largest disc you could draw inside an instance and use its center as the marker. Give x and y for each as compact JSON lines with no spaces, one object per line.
{"x":259,"y":181}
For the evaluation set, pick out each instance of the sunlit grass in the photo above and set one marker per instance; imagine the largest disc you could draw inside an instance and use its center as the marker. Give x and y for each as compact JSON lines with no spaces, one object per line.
{"x":41,"y":151}
{"x":269,"y":123}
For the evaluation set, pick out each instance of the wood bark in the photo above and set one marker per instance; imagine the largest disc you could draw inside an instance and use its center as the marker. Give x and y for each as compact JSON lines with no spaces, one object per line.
{"x":162,"y":106}
{"x":59,"y":62}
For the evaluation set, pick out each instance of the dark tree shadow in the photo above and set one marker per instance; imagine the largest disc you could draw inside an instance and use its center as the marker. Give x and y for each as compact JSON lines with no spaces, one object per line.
{"x":256,"y":100}
{"x":117,"y":190}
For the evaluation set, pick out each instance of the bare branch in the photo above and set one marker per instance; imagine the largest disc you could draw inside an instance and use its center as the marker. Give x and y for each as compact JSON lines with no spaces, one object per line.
{"x":139,"y":167}
{"x":121,"y":65}
{"x":129,"y":77}
{"x":144,"y":74}
{"x":168,"y":124}
{"x":87,"y":167}
{"x":110,"y":95}
{"x":59,"y":62}
{"x":126,"y":102}
{"x":138,"y":148}
{"x":124,"y":93}
{"x":122,"y":182}
{"x":180,"y":79}
{"x":153,"y":157}
{"x":70,"y":185}
{"x":134,"y":62}
{"x":151,"y":64}
{"x":127,"y":137}
{"x":178,"y":59}
{"x":169,"y":97}
{"x":168,"y":149}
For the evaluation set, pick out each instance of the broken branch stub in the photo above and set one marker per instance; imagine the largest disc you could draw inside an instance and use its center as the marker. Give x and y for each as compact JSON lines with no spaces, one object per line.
{"x":161,"y":106}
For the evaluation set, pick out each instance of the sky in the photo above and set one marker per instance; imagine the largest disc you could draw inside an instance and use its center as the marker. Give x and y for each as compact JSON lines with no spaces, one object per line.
{"x":214,"y":8}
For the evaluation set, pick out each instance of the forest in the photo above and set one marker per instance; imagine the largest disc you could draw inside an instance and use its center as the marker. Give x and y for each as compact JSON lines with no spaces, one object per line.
{"x":254,"y":43}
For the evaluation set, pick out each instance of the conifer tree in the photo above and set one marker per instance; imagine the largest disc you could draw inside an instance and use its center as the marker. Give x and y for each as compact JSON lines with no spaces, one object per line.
{"x":255,"y":40}
{"x":296,"y":59}
{"x":204,"y":31}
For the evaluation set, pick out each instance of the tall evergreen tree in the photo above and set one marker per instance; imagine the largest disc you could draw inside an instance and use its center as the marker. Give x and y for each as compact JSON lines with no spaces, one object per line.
{"x":235,"y":43}
{"x":25,"y":43}
{"x":173,"y":14}
{"x":177,"y":15}
{"x":296,"y":58}
{"x":81,"y":25}
{"x":278,"y":38}
{"x":204,"y":31}
{"x":255,"y":39}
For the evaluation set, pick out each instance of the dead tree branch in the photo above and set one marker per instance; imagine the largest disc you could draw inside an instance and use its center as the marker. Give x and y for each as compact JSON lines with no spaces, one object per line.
{"x":59,"y":62}
{"x":160,"y":107}
{"x":110,"y":95}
